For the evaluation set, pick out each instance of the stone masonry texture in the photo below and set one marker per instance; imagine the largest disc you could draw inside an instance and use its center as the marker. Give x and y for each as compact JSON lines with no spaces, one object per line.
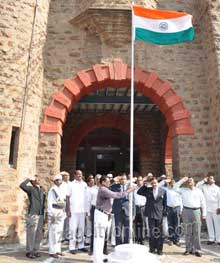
{"x":45,"y":42}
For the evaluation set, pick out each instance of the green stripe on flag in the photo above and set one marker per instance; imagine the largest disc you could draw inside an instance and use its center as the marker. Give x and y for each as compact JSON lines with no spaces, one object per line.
{"x":164,"y":38}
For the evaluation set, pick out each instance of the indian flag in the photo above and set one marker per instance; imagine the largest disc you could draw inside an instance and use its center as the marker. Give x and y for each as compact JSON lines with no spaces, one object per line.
{"x":162,"y":27}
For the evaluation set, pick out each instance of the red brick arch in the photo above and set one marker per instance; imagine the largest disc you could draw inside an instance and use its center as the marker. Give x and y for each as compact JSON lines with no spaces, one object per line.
{"x":107,"y":121}
{"x":118,"y":75}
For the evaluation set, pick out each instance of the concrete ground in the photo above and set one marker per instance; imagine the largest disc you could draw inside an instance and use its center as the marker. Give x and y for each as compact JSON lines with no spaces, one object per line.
{"x":172,"y":254}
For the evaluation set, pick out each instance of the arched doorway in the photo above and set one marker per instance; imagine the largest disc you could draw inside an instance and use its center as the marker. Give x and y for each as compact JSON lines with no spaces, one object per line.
{"x":116,"y":74}
{"x":106,"y":151}
{"x":106,"y":133}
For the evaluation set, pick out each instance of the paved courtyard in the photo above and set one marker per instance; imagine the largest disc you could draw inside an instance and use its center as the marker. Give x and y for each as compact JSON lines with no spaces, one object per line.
{"x":172,"y":254}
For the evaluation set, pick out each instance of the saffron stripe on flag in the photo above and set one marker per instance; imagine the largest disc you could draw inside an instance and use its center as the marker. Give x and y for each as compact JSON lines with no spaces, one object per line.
{"x":156,"y":14}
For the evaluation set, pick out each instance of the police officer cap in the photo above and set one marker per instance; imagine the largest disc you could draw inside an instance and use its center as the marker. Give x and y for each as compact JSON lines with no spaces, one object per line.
{"x":57,"y":177}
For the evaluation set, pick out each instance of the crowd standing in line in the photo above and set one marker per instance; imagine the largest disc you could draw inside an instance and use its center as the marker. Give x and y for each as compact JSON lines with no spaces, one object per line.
{"x":91,"y":214}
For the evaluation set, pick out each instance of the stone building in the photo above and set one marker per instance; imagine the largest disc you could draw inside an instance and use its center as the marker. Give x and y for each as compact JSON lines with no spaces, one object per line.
{"x":65,"y":87}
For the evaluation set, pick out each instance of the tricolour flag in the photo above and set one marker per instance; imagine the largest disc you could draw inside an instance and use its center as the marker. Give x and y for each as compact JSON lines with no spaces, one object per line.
{"x":162,"y":27}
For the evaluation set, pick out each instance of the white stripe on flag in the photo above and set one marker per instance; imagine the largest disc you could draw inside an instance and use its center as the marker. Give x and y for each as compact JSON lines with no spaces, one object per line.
{"x":170,"y":25}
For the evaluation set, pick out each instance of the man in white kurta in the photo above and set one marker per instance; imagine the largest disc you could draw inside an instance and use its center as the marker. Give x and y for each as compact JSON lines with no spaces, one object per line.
{"x":212,"y":197}
{"x":64,"y":190}
{"x":56,"y":217}
{"x":77,"y":208}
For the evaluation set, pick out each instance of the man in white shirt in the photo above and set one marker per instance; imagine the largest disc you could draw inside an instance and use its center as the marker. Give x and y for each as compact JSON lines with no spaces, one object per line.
{"x":139,"y":203}
{"x":92,"y":197}
{"x":77,"y":208}
{"x":56,"y":215}
{"x":193,"y":202}
{"x":174,"y":209}
{"x":88,"y":227}
{"x":64,"y":190}
{"x":212,"y":197}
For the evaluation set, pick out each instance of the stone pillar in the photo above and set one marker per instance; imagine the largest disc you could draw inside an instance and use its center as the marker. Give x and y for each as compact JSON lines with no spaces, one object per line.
{"x":48,"y":158}
{"x":169,"y":169}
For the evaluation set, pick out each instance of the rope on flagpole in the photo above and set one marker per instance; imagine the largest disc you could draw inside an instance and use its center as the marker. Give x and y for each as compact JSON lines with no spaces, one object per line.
{"x":131,"y":131}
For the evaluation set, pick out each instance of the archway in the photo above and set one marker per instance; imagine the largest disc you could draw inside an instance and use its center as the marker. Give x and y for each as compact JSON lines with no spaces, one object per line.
{"x":107,"y":121}
{"x":117,"y":75}
{"x":101,"y":122}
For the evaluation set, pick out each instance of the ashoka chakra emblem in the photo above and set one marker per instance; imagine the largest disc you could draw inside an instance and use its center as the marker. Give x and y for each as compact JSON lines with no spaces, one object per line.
{"x":163,"y":26}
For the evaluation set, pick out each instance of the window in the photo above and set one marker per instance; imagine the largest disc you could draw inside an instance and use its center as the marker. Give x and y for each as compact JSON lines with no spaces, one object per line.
{"x":14,"y":147}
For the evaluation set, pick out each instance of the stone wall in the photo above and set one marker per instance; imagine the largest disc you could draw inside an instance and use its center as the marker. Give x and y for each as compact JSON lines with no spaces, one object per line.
{"x":182,"y":65}
{"x":22,"y":28}
{"x":114,"y":4}
{"x":41,"y":45}
{"x":48,"y":158}
{"x":201,"y":152}
{"x":72,"y":45}
{"x":210,"y":21}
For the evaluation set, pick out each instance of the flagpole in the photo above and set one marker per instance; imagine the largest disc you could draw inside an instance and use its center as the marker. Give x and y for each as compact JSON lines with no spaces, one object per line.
{"x":131,"y":131}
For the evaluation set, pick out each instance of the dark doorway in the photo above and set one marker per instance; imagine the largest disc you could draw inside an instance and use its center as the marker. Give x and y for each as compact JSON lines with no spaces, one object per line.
{"x":104,"y":162}
{"x":106,"y":151}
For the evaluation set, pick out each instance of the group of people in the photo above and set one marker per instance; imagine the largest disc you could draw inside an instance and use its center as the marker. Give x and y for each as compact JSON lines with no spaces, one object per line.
{"x":90,"y":212}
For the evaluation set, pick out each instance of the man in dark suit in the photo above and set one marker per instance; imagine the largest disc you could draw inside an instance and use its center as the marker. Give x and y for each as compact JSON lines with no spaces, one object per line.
{"x":35,"y":217}
{"x":139,"y":209}
{"x":154,"y":210}
{"x":120,"y":210}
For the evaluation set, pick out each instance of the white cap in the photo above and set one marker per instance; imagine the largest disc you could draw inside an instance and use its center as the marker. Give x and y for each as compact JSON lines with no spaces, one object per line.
{"x":98,"y":176}
{"x":110,"y":175}
{"x":163,"y":176}
{"x":150,"y":174}
{"x":64,"y":173}
{"x":57,"y":177}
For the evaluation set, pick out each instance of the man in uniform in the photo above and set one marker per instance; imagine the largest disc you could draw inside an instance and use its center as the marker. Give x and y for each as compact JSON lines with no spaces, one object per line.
{"x":56,"y":216}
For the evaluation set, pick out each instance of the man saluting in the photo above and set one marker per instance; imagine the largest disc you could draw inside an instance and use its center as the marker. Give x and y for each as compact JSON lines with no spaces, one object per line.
{"x":35,"y":217}
{"x":154,"y":210}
